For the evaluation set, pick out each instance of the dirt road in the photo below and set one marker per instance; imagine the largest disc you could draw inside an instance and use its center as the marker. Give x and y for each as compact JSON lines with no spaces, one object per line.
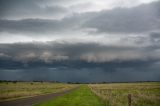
{"x":33,"y":100}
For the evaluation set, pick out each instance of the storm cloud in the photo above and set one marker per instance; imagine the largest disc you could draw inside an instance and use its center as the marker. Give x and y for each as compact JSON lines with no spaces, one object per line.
{"x":19,"y":9}
{"x":80,"y":41}
{"x":78,"y":62}
{"x":91,"y":52}
{"x":140,"y":19}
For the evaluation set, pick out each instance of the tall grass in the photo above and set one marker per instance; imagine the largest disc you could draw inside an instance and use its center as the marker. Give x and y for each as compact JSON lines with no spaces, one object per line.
{"x":142,"y":94}
{"x":11,"y":90}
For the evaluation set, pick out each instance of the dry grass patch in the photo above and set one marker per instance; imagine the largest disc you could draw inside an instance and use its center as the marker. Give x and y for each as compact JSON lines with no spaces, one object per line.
{"x":11,"y":90}
{"x":143,"y":94}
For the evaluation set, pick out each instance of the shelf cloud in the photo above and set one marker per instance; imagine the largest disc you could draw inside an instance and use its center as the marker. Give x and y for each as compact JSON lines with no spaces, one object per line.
{"x":101,"y":39}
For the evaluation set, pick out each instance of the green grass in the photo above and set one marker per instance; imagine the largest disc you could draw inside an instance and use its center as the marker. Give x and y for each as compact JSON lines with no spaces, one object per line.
{"x":12,"y":90}
{"x":143,"y":94}
{"x":80,"y":97}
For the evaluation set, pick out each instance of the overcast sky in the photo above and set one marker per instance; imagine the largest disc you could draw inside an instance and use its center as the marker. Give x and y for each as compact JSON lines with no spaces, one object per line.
{"x":92,"y":40}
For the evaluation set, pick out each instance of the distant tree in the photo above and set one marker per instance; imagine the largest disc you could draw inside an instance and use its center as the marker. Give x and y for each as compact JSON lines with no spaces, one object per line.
{"x":76,"y":82}
{"x":69,"y":82}
{"x":14,"y":82}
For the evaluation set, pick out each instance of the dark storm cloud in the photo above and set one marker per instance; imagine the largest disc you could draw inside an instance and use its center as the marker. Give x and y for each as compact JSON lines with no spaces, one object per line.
{"x":24,"y":61}
{"x":140,"y":19}
{"x":155,"y":37}
{"x":35,"y":26}
{"x":65,"y":62}
{"x":19,"y":9}
{"x":68,"y":74}
{"x":79,"y":62}
{"x":135,"y":54}
{"x":90,"y":52}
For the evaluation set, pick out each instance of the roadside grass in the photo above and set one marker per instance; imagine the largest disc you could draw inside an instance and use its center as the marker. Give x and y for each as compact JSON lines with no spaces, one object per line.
{"x":80,"y":97}
{"x":142,"y":94}
{"x":15,"y":90}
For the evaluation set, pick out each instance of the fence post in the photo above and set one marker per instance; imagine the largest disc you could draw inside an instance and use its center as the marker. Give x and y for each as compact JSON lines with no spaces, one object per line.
{"x":110,"y":97}
{"x":129,"y":99}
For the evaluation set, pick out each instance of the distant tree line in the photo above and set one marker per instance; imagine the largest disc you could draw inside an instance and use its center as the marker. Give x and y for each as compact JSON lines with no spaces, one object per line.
{"x":103,"y":82}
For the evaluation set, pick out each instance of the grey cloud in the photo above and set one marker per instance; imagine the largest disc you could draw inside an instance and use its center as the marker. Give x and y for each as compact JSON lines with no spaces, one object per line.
{"x":155,"y":37}
{"x":81,"y":75}
{"x":69,"y":62}
{"x":19,"y":9}
{"x":136,"y":57}
{"x":140,"y":19}
{"x":35,"y":26}
{"x":91,"y":52}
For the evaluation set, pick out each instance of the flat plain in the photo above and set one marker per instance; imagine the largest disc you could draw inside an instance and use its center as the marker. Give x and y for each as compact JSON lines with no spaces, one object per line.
{"x":116,"y":94}
{"x":108,"y":94}
{"x":80,"y":97}
{"x":16,"y":90}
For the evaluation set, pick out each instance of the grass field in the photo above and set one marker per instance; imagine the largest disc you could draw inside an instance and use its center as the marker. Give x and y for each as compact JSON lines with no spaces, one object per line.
{"x":115,"y":94}
{"x":142,"y":94}
{"x":79,"y":97}
{"x":14,"y":90}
